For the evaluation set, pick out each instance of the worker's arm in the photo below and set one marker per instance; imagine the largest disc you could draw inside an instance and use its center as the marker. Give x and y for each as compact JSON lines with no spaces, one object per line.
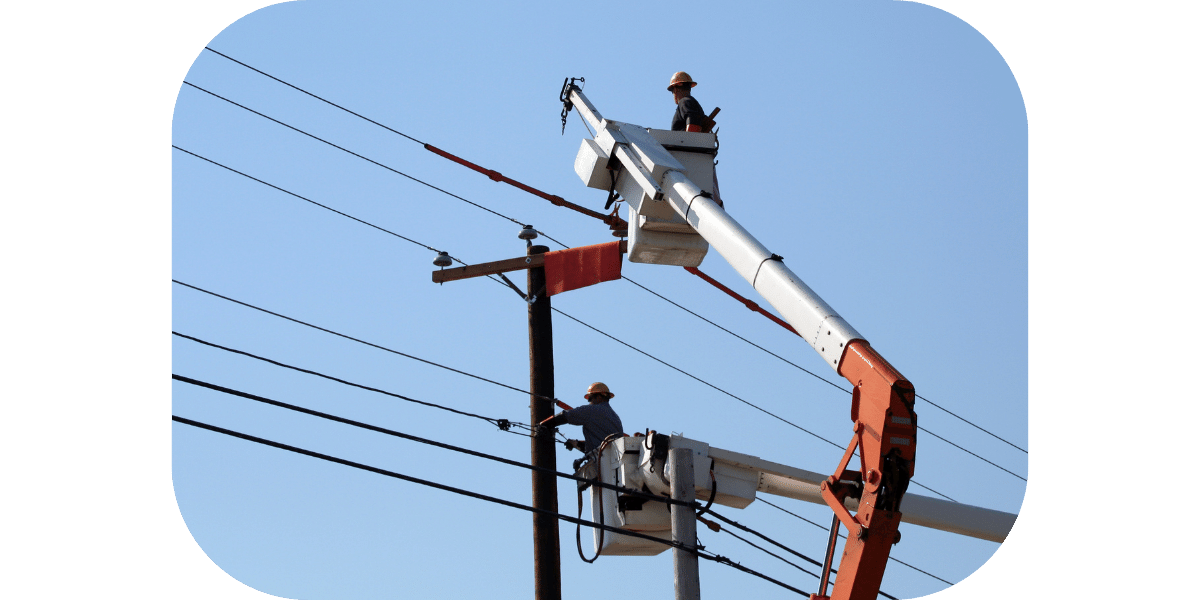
{"x":555,"y":421}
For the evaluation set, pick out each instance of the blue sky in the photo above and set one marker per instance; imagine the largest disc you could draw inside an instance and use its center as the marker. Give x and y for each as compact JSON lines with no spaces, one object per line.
{"x":880,"y":147}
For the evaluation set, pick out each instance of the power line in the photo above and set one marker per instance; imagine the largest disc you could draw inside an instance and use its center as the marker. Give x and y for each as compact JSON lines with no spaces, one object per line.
{"x":491,"y":457}
{"x":971,"y":453}
{"x":342,"y":214}
{"x":413,"y":139}
{"x":515,"y":388}
{"x":541,"y":194}
{"x":354,"y":339}
{"x":519,"y":223}
{"x":935,"y":405}
{"x":666,"y":364}
{"x":778,"y":545}
{"x":694,"y":550}
{"x":312,"y":94}
{"x":374,"y":162}
{"x":511,"y":285}
{"x":501,"y":423}
{"x":596,"y":482}
{"x":445,"y":446}
{"x":231,"y":169}
{"x":843,"y":536}
{"x":498,"y":422}
{"x":743,"y":401}
{"x":681,"y":307}
{"x":563,"y":245}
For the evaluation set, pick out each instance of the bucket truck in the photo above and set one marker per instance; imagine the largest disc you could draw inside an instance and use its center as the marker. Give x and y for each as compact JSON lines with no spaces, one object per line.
{"x":666,"y":178}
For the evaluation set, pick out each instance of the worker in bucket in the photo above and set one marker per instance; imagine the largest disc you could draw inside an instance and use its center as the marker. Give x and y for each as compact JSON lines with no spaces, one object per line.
{"x":688,"y":114}
{"x":598,"y":419}
{"x":690,"y":117}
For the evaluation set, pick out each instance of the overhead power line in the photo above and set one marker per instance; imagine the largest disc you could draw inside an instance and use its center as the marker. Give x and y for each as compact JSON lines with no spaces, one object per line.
{"x":496,"y":176}
{"x":627,"y":279}
{"x":414,"y":438}
{"x":301,"y":90}
{"x":677,"y":369}
{"x":509,"y":283}
{"x":574,"y":520}
{"x":372,"y":161}
{"x":503,"y":424}
{"x":843,"y":536}
{"x":495,"y":458}
{"x":314,"y":202}
{"x":354,"y":339}
{"x":914,"y":482}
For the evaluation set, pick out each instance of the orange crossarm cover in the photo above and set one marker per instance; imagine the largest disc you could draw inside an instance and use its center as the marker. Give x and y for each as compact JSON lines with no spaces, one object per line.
{"x":575,"y":268}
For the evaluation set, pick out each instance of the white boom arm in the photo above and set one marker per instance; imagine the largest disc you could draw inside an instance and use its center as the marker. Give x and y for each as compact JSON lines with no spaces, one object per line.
{"x":651,"y":175}
{"x":673,"y":219}
{"x":632,"y":463}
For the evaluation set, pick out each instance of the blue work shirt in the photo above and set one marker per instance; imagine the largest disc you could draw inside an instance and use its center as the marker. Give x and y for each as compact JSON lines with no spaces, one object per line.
{"x":598,"y":421}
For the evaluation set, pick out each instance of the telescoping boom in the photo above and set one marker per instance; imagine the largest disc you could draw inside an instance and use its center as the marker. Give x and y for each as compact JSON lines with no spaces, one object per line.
{"x":666,"y":179}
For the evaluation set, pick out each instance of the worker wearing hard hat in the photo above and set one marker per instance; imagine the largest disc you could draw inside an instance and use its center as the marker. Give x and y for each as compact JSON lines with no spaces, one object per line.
{"x":598,"y":419}
{"x":688,"y":114}
{"x":690,"y":117}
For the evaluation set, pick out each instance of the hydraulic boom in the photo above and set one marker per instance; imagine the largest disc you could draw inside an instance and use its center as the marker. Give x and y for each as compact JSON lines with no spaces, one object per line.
{"x":667,"y":206}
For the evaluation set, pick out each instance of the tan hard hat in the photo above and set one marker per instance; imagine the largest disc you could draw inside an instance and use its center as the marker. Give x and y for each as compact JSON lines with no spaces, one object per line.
{"x":598,"y":388}
{"x":681,"y":77}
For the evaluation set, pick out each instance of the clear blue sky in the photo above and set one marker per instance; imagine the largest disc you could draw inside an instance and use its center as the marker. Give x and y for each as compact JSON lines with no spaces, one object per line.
{"x":880,"y":147}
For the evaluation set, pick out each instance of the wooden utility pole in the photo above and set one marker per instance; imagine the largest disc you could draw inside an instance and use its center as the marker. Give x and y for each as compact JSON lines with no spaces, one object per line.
{"x":546,"y":568}
{"x":547,"y":575}
{"x":683,"y":524}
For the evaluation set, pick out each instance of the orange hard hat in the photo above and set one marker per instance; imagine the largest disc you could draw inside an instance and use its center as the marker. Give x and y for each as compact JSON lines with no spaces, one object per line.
{"x":681,"y":78}
{"x":598,"y":388}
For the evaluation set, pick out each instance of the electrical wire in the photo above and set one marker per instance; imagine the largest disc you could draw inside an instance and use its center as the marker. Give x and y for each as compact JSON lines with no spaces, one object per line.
{"x":501,"y":423}
{"x":627,"y":279}
{"x":843,"y":536}
{"x":694,"y":314}
{"x":460,"y":449}
{"x":574,"y":520}
{"x":518,"y":291}
{"x":271,"y":185}
{"x":297,"y":88}
{"x":550,"y":238}
{"x":778,"y":545}
{"x":519,"y":223}
{"x":666,"y":364}
{"x":515,"y":388}
{"x":374,"y":162}
{"x":354,"y":339}
{"x":445,"y":446}
{"x":427,"y":247}
{"x":743,"y":401}
{"x":815,"y":375}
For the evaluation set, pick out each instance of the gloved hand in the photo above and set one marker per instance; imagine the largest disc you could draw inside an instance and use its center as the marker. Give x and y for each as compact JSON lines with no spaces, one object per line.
{"x":575,"y":445}
{"x":543,"y":430}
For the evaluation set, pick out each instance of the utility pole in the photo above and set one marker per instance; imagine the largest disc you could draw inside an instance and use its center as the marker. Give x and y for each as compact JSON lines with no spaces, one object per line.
{"x":683,"y":524}
{"x":546,"y":568}
{"x":589,"y":265}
